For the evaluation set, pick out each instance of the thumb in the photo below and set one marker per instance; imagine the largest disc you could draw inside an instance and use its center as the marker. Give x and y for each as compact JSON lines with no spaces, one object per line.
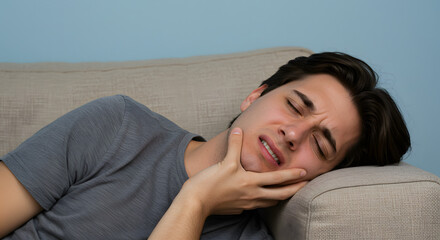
{"x":234,"y":145}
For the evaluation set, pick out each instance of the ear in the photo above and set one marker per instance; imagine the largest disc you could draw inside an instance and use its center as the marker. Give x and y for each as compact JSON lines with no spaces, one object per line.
{"x":252,"y":97}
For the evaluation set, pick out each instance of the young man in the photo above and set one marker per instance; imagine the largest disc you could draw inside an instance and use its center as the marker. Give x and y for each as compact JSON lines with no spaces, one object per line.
{"x":114,"y":169}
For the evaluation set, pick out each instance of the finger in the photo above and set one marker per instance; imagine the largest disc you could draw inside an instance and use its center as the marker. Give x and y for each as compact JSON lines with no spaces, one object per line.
{"x":281,"y":192}
{"x":234,"y":145}
{"x":283,"y":177}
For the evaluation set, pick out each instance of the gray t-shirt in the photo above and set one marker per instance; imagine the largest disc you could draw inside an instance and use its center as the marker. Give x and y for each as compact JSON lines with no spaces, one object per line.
{"x":109,"y":170}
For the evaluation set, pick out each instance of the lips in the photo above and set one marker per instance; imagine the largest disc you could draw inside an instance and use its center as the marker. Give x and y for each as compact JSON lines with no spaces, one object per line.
{"x":270,"y":152}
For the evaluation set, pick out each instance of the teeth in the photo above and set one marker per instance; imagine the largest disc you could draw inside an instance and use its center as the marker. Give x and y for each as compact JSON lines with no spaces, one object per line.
{"x":270,"y":151}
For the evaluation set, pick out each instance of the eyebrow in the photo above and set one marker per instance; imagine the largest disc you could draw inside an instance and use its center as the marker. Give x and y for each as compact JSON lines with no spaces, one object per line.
{"x":306,"y":100}
{"x":311,"y":106}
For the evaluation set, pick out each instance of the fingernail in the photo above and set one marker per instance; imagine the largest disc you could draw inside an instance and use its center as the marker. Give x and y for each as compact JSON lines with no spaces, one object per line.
{"x":236,"y":131}
{"x":302,"y":173}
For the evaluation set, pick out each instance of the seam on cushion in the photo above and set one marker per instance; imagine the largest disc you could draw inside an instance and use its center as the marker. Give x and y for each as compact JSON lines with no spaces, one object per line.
{"x":375,"y":184}
{"x":219,"y":58}
{"x":309,"y":212}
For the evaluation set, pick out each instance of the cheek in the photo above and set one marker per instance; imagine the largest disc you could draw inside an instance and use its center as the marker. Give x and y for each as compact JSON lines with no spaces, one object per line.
{"x":260,"y":115}
{"x":316,"y":168}
{"x":249,"y":157}
{"x":308,"y":161}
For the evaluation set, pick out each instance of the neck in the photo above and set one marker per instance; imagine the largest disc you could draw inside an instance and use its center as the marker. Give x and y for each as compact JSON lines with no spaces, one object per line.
{"x":201,"y":155}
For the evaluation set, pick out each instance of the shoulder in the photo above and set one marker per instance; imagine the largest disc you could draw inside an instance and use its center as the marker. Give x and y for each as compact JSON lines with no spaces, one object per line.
{"x":114,"y":103}
{"x":111,"y":108}
{"x":141,"y":113}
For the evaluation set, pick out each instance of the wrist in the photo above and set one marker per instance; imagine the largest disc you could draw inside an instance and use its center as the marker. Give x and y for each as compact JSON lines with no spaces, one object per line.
{"x":186,"y":215}
{"x":192,"y":201}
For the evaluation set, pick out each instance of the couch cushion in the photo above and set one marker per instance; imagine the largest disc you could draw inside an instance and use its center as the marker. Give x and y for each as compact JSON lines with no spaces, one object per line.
{"x":201,"y":94}
{"x":391,"y":202}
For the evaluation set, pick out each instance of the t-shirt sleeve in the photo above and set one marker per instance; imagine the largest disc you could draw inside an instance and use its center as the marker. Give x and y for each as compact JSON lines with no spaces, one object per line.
{"x":68,"y":151}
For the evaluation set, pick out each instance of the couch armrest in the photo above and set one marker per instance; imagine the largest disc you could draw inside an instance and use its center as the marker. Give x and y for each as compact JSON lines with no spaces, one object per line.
{"x":391,"y":202}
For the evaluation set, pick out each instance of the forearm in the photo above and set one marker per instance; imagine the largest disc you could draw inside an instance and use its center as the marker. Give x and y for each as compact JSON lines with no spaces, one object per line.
{"x":16,"y":203}
{"x":183,"y":220}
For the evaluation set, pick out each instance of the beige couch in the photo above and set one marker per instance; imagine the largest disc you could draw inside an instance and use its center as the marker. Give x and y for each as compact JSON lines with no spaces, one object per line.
{"x":202,"y":94}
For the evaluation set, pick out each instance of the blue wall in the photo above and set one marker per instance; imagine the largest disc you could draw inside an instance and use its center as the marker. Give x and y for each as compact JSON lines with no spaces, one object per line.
{"x":399,"y":38}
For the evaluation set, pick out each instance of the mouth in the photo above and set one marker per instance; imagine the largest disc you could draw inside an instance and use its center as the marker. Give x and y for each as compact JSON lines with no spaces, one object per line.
{"x":271,"y":152}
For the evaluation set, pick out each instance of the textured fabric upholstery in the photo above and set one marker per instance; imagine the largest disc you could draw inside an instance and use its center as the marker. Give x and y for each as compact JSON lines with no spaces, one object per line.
{"x":202,"y":94}
{"x":391,"y":202}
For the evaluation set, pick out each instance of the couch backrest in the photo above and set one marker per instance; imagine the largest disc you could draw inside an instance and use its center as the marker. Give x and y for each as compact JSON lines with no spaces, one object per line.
{"x":201,"y":94}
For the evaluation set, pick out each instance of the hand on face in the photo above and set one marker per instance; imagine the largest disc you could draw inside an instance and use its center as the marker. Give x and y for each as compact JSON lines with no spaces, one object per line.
{"x":227,"y":188}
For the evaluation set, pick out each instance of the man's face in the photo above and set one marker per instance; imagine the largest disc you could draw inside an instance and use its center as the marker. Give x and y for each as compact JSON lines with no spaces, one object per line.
{"x":309,"y":124}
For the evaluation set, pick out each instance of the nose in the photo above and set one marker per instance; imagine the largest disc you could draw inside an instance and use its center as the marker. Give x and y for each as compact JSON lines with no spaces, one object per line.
{"x":295,"y":133}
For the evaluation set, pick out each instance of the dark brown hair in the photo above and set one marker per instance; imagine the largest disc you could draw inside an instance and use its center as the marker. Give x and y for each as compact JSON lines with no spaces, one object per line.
{"x":384,"y":136}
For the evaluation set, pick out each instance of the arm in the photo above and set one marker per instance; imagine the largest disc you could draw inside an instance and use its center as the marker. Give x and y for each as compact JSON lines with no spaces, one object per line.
{"x":183,"y":220}
{"x":50,"y":161}
{"x":16,"y":203}
{"x":224,"y":188}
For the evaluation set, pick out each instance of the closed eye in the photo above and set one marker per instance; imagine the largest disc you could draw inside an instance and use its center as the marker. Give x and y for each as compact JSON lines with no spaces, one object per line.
{"x":320,"y":152}
{"x":293,"y":107}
